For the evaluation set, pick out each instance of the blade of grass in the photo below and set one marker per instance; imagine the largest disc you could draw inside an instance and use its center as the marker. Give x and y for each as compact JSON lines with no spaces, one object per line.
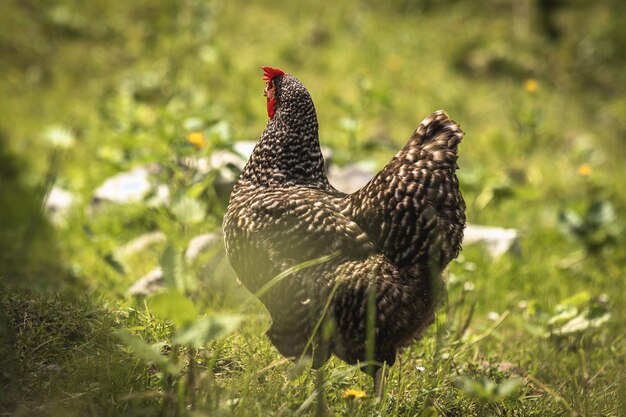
{"x":296,"y":268}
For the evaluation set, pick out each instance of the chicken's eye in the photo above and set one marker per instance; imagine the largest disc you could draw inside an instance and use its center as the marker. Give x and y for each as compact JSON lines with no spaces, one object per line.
{"x":270,"y":90}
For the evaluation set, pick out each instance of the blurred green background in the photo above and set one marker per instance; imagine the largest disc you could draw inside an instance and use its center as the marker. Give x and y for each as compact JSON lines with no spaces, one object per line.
{"x":93,"y":89}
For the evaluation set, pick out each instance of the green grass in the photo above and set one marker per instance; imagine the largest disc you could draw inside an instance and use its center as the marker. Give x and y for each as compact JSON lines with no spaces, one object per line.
{"x":127,"y":84}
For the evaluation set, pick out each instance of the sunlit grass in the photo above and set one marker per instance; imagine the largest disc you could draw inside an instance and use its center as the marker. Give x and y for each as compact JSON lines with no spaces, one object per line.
{"x":93,"y":91}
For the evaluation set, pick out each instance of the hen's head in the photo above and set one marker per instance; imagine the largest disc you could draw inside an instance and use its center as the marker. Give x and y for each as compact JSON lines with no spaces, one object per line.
{"x":288,"y":151}
{"x":272,"y":77}
{"x":283,"y":91}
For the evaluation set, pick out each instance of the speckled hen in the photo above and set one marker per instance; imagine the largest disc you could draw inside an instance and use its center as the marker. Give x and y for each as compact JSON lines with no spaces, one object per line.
{"x":386,"y":244}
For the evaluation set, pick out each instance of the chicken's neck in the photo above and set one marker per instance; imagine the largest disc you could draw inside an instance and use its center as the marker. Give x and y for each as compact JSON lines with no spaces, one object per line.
{"x":288,"y":152}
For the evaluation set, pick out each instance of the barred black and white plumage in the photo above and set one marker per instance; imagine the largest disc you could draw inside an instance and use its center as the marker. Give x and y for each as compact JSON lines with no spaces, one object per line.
{"x":398,"y":232}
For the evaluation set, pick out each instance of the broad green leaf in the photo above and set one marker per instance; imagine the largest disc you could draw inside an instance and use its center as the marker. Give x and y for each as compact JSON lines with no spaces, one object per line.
{"x":570,"y":220}
{"x":188,"y":210}
{"x":563,"y":316}
{"x":205,"y":329}
{"x":193,"y":124}
{"x":219,"y":132}
{"x":172,"y":306}
{"x":176,"y":274}
{"x":171,"y":264}
{"x":601,"y":213}
{"x":577,"y":300}
{"x":581,"y":323}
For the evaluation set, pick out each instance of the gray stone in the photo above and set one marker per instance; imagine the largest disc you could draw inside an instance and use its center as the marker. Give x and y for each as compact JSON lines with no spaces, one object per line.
{"x":496,"y":240}
{"x":244,"y":148}
{"x":351,"y":177}
{"x":200,"y":243}
{"x":153,"y":281}
{"x":140,"y":243}
{"x":58,"y":203}
{"x":132,"y":186}
{"x":126,"y":187}
{"x":149,"y":284}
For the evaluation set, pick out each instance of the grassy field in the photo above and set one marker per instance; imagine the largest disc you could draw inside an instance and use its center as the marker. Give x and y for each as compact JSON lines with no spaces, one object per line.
{"x":88,"y":91}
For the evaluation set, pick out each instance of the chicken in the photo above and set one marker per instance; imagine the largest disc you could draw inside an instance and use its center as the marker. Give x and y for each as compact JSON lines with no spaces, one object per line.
{"x":356,"y":275}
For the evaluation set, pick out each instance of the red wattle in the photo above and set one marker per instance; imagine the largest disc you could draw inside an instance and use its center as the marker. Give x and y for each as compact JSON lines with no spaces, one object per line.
{"x":271,"y":107}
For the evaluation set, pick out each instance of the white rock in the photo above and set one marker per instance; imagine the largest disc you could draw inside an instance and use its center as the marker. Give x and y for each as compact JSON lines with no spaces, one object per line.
{"x":162,"y":195}
{"x":497,"y":240}
{"x":127,"y":187}
{"x":140,"y":243}
{"x":199,"y":244}
{"x":244,"y":148}
{"x":148,"y":284}
{"x":351,"y":177}
{"x":58,"y":204}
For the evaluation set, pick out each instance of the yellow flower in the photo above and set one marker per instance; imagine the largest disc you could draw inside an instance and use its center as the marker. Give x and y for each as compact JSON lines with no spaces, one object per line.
{"x":196,"y":139}
{"x":584,"y":170}
{"x":531,"y":85}
{"x":353,"y":393}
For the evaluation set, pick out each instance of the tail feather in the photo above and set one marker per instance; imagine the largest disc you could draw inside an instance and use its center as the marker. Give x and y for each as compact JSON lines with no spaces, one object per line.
{"x":413,"y":208}
{"x":436,"y":139}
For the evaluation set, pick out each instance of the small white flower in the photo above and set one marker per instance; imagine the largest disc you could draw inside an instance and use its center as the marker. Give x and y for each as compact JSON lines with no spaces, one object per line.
{"x":59,"y":137}
{"x":493,"y":316}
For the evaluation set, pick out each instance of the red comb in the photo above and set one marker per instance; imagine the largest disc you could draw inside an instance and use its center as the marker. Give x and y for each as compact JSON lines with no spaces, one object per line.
{"x":269,"y":73}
